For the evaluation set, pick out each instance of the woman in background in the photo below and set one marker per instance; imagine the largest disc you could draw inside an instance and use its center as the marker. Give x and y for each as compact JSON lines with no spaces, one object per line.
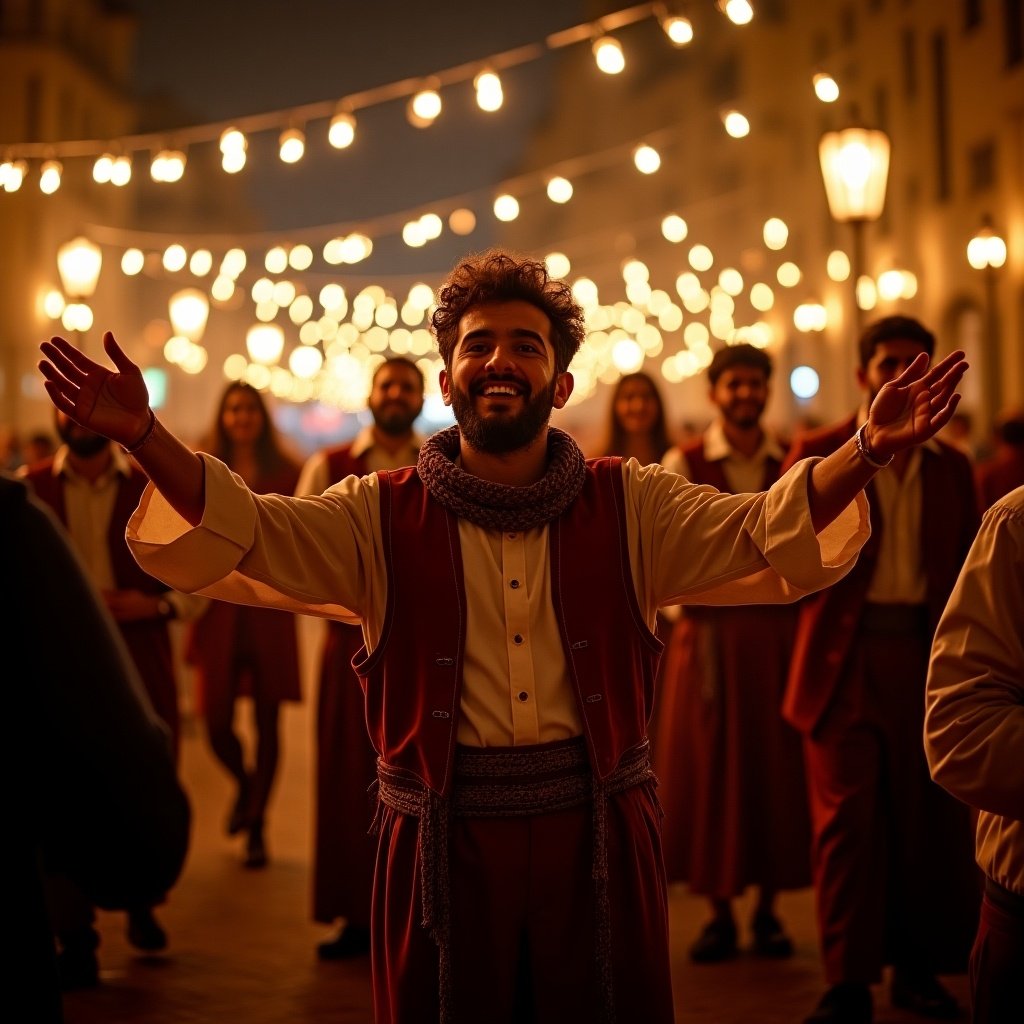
{"x":636,"y":420}
{"x":241,"y":651}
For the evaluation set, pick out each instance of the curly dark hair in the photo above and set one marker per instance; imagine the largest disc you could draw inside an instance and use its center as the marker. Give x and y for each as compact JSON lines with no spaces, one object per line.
{"x":500,"y":276}
{"x":739,"y":355}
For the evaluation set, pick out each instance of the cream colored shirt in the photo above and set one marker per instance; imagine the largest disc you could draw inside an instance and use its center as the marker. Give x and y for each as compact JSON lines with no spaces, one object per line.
{"x":899,"y":576}
{"x":315,"y":476}
{"x":974,"y":699}
{"x":88,"y":506}
{"x":741,"y":473}
{"x":324,"y":556}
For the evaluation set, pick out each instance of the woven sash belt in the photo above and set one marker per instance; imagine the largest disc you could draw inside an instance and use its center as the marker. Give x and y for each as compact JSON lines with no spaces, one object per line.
{"x":511,"y":782}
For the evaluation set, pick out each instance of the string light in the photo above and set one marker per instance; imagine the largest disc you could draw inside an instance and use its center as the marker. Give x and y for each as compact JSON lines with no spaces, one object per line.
{"x":608,"y":55}
{"x":559,"y":189}
{"x":49,"y":176}
{"x":12,"y":174}
{"x":678,"y":28}
{"x":291,"y":145}
{"x":342,"y":131}
{"x":739,"y":12}
{"x":424,"y":108}
{"x":646,"y":159}
{"x":112,"y":160}
{"x":489,"y":94}
{"x":825,"y":87}
{"x":736,"y":124}
{"x":233,"y":146}
{"x":168,"y":166}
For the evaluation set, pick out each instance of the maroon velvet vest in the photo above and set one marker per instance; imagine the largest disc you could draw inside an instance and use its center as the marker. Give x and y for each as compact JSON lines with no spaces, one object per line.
{"x":412,"y":681}
{"x":127,"y":573}
{"x":704,"y":471}
{"x":341,"y":463}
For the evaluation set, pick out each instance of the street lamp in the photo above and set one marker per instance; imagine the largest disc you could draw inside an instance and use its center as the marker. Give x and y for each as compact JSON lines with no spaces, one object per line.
{"x":986,"y":252}
{"x":78,"y":263}
{"x":855,"y":169}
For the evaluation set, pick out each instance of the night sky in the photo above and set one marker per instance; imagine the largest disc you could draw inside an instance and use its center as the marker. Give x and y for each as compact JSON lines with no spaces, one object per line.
{"x":234,"y":57}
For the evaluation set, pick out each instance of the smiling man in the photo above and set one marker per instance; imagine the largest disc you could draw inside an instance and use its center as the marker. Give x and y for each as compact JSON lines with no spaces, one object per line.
{"x":732,"y":780}
{"x":507,"y":591}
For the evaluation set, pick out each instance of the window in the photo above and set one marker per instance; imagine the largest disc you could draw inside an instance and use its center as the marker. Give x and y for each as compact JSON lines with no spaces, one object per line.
{"x":1013,"y":19}
{"x":909,"y":57}
{"x":981,"y":167}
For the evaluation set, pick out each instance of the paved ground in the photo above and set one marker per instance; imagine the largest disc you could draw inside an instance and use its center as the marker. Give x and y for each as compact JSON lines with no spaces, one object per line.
{"x":242,"y":945}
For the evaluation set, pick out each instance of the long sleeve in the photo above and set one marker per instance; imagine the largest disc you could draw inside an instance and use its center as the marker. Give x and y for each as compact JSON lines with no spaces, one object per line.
{"x":974,"y":728}
{"x":974,"y":711}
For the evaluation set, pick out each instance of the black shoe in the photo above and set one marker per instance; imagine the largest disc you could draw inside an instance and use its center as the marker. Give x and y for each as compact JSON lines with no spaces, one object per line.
{"x":845,"y":1003}
{"x":255,"y":848}
{"x":239,"y":817}
{"x":769,"y":938}
{"x":144,"y":931}
{"x":716,"y":943}
{"x":352,"y":941}
{"x":77,"y":968}
{"x":923,"y":994}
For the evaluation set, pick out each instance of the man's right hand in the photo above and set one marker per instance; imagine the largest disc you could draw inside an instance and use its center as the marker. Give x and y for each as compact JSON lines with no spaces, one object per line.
{"x":115,"y":405}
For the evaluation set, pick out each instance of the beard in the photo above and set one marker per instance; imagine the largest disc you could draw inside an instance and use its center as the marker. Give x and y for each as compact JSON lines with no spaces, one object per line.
{"x":744,"y":417}
{"x":499,"y":435}
{"x":395,"y":422}
{"x":83,"y":443}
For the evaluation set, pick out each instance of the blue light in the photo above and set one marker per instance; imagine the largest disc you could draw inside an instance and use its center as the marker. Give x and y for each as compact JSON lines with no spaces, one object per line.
{"x":156,"y":383}
{"x":803,"y":382}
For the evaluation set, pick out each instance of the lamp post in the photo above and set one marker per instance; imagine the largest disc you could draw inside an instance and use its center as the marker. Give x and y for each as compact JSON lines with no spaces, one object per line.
{"x":855,"y":169}
{"x":986,"y":252}
{"x":78,"y":263}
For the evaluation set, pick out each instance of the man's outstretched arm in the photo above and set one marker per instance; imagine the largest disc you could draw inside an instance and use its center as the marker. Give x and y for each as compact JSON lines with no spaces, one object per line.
{"x":116,"y":405}
{"x":906,"y":411}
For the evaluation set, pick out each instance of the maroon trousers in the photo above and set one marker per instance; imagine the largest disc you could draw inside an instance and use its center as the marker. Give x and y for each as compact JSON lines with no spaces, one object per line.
{"x":892,"y":854}
{"x":346,"y":766}
{"x":522,"y":919}
{"x":997,"y":979}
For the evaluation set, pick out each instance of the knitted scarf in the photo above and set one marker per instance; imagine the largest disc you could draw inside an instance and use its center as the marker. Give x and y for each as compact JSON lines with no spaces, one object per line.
{"x":502,"y":506}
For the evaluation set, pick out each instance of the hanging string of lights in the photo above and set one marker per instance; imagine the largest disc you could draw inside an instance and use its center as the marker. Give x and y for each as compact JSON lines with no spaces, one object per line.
{"x":113,"y":159}
{"x":340,"y":336}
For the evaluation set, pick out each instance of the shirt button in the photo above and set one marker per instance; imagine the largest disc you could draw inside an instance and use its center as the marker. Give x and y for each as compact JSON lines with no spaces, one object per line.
{"x":514,"y":584}
{"x":518,"y":638}
{"x":523,"y":696}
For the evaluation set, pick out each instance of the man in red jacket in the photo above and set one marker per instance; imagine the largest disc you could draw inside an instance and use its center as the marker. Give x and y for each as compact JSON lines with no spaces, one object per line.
{"x":508,"y":591}
{"x":92,"y":487}
{"x":346,"y":765}
{"x":892,"y":853}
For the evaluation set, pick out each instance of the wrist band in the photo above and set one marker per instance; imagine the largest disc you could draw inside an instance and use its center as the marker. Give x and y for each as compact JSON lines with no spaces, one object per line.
{"x":865,"y":452}
{"x":132,"y":449}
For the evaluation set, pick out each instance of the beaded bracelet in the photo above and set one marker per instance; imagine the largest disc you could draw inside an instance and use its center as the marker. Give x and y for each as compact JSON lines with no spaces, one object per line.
{"x":131,"y":450}
{"x":865,"y":452}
